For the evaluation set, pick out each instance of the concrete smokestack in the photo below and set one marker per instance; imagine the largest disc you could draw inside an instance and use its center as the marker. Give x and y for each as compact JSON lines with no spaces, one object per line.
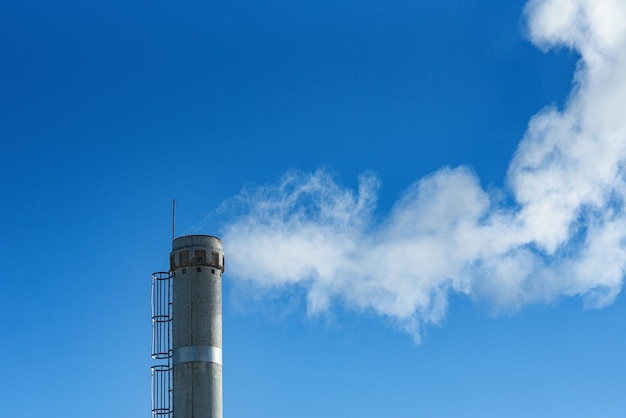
{"x":196,"y":265}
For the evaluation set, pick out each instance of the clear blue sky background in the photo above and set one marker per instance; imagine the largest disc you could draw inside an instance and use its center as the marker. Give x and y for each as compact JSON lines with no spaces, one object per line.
{"x":110,"y":109}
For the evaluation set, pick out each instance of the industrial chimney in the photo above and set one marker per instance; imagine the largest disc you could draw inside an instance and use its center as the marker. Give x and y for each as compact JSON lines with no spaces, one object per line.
{"x":192,"y":330}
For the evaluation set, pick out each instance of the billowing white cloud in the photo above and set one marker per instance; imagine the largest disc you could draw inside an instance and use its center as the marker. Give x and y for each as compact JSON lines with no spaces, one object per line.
{"x":565,"y":234}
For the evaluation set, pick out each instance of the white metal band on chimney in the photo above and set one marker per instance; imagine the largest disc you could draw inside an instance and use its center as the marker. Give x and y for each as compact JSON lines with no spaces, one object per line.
{"x":193,"y":353}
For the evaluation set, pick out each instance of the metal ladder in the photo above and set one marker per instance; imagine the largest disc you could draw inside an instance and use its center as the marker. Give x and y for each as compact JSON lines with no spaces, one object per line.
{"x":161,"y":374}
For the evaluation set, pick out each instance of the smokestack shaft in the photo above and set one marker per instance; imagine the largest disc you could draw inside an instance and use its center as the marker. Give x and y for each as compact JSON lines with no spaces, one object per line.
{"x":197,"y":263}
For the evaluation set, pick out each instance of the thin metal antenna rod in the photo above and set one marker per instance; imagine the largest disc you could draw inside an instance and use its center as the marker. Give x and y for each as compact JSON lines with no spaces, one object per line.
{"x":173,"y":219}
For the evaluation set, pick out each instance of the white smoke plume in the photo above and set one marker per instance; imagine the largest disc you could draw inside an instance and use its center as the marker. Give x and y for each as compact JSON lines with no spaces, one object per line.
{"x":564,"y":234}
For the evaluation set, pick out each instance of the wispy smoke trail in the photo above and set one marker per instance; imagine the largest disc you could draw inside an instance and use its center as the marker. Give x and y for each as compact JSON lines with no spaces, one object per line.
{"x":564,"y":235}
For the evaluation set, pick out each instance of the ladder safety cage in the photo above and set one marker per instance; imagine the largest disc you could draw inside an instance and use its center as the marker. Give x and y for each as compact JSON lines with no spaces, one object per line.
{"x":161,"y":374}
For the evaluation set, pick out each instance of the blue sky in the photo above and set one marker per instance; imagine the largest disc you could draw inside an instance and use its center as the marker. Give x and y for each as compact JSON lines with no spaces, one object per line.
{"x":262,"y":119}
